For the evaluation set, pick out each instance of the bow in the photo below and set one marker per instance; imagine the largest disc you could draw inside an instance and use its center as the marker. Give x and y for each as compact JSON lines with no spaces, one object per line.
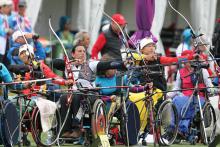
{"x":66,"y":59}
{"x":195,"y":44}
{"x":69,"y":76}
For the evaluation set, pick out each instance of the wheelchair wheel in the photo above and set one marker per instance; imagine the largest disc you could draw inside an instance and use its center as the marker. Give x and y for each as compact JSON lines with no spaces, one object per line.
{"x":210,"y":124}
{"x":49,"y":137}
{"x":98,"y":119}
{"x":167,"y":123}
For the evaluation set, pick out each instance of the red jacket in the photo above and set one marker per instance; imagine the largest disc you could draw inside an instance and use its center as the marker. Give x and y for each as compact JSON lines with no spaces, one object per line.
{"x":186,"y":82}
{"x":99,"y":44}
{"x":167,"y":60}
{"x":48,"y":73}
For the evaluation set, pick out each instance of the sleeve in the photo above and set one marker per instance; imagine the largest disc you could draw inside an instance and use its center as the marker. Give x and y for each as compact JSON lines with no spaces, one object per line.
{"x":6,"y":77}
{"x":50,"y":74}
{"x":167,"y":60}
{"x":207,"y":80}
{"x":105,"y":65}
{"x":137,"y":56}
{"x":99,"y":44}
{"x":40,"y":51}
{"x":93,"y":66}
{"x":9,"y":55}
{"x":2,"y":28}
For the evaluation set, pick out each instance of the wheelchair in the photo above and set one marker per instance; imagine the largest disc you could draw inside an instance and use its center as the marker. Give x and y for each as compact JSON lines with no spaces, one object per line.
{"x":30,"y":122}
{"x":156,"y":114}
{"x":91,"y":117}
{"x":201,"y":123}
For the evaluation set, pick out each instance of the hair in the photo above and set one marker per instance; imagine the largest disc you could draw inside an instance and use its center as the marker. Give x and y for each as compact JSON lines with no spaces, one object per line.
{"x":74,"y":48}
{"x":63,"y":21}
{"x":79,"y":37}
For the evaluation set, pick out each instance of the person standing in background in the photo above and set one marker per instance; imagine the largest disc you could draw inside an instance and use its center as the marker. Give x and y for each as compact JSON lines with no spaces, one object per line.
{"x":186,"y":42}
{"x":82,"y":38}
{"x":22,"y":19}
{"x":6,"y":27}
{"x":109,"y":41}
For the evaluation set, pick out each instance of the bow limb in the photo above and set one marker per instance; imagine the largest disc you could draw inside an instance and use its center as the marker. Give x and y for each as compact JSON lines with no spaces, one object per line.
{"x":61,"y":43}
{"x":193,"y":31}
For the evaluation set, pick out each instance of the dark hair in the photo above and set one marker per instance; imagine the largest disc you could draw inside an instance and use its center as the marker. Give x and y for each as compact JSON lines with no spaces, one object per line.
{"x":74,"y":48}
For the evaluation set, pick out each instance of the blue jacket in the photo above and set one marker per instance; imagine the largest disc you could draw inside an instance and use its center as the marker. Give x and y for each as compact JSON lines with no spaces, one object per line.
{"x":11,"y":58}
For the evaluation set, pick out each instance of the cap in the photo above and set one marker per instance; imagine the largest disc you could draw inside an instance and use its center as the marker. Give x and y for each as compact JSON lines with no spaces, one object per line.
{"x":202,"y":40}
{"x":17,"y":34}
{"x":22,"y":3}
{"x":119,"y":19}
{"x":5,"y":2}
{"x":187,"y":52}
{"x":26,"y":47}
{"x":145,"y":42}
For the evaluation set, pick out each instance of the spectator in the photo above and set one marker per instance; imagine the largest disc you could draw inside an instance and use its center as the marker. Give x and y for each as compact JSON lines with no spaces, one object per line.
{"x":22,"y":19}
{"x":186,"y":42}
{"x":82,"y":39}
{"x":6,"y":26}
{"x":108,"y":41}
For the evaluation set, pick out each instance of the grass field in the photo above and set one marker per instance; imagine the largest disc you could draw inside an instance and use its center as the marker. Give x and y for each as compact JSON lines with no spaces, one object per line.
{"x":183,"y":144}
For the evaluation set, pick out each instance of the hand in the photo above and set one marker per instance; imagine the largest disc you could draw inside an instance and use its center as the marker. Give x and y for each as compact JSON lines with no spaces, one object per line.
{"x":149,"y":85}
{"x":35,"y":36}
{"x":29,"y":85}
{"x":9,"y":31}
{"x":69,"y":82}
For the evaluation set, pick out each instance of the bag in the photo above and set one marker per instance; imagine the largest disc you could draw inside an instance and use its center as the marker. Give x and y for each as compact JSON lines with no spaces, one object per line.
{"x":133,"y":123}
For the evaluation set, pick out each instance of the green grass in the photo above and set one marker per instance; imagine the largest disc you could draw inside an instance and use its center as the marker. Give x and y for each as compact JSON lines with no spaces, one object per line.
{"x":183,"y":144}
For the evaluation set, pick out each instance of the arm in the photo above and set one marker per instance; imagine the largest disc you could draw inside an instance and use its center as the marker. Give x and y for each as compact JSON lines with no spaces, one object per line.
{"x":6,"y":77}
{"x":208,"y":82}
{"x":99,"y":44}
{"x":50,"y":74}
{"x":40,"y":51}
{"x":167,"y":60}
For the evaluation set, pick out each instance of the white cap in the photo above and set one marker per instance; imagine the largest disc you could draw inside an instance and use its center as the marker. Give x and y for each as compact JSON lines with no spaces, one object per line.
{"x":203,"y":40}
{"x":145,"y":42}
{"x":17,"y":34}
{"x":26,"y":47}
{"x":6,"y":2}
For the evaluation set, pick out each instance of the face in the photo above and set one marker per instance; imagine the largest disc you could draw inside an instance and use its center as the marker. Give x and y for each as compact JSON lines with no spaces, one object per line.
{"x":115,"y":27}
{"x":80,"y":53}
{"x":149,"y":49}
{"x":67,"y":26}
{"x":6,"y":9}
{"x":86,"y":40}
{"x":20,"y":40}
{"x":188,"y":65}
{"x":24,"y":57}
{"x":110,"y":73}
{"x":21,"y":10}
{"x":202,"y":48}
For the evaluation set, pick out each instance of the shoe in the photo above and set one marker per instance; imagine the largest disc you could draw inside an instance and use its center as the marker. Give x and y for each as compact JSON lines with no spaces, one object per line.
{"x":76,"y":133}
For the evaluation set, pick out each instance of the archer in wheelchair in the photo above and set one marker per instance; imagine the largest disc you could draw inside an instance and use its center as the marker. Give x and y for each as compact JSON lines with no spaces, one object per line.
{"x":85,"y":101}
{"x":191,"y":98}
{"x":33,"y":106}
